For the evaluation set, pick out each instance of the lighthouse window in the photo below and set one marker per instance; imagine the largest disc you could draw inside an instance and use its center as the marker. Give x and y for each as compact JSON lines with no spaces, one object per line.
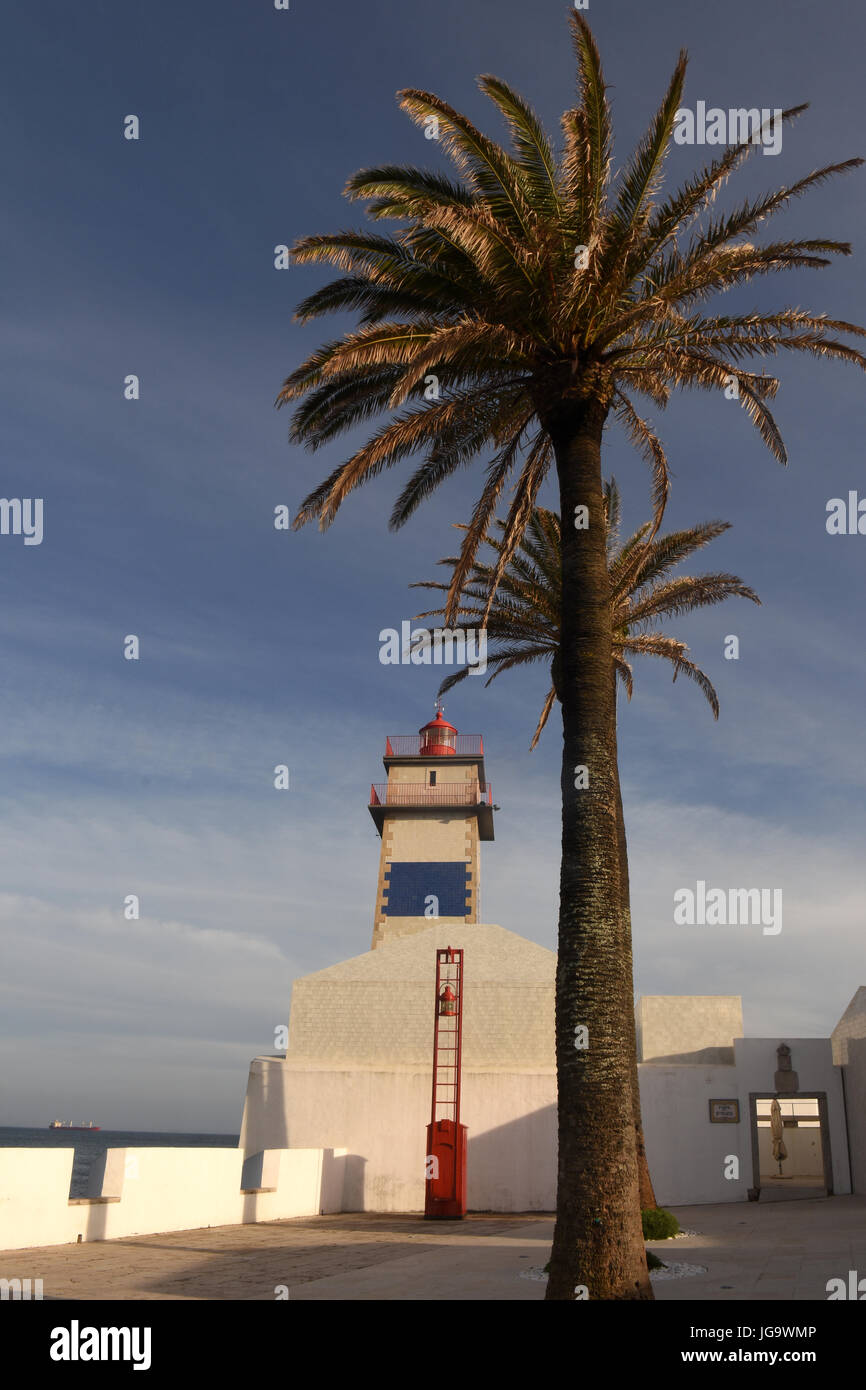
{"x":432,"y":779}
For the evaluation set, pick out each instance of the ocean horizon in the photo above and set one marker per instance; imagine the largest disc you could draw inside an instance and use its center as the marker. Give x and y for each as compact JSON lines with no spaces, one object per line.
{"x":91,"y":1144}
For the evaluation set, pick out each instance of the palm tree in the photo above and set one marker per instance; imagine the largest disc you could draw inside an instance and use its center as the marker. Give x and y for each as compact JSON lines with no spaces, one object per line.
{"x":524,"y":626}
{"x":515,"y":310}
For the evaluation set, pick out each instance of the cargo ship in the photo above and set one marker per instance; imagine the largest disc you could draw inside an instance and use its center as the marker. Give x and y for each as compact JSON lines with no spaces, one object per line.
{"x":66,"y":1124}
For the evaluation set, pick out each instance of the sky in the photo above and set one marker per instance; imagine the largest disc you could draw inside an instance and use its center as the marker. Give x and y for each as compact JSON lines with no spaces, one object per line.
{"x":260,"y":647}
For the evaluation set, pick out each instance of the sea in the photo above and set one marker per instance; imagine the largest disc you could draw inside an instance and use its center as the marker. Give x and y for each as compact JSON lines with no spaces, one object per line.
{"x":89,"y":1145}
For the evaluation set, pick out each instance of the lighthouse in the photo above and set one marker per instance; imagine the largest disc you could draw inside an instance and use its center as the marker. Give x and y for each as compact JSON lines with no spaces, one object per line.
{"x":432,"y":813}
{"x":365,"y":1052}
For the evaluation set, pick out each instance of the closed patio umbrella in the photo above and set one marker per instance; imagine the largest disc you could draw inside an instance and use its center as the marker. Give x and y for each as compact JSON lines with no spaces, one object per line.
{"x":777,"y":1129}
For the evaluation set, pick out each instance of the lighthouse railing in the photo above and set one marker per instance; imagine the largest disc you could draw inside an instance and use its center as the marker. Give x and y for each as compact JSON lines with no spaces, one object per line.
{"x":412,"y":746}
{"x":419,"y":794}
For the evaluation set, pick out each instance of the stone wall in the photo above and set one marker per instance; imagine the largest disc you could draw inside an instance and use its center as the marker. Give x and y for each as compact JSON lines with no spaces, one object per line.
{"x":380,"y":1006}
{"x":693,"y":1028}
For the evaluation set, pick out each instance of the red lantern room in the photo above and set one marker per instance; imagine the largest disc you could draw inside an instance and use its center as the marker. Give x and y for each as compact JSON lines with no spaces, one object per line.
{"x":447,"y":1002}
{"x":438,"y":738}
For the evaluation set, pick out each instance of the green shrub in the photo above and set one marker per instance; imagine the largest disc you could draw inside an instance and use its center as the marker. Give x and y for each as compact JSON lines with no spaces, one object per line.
{"x":653,"y":1261}
{"x":658,"y":1224}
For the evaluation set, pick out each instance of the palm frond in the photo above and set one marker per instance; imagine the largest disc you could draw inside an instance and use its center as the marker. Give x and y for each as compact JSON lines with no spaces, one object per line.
{"x":516,"y":596}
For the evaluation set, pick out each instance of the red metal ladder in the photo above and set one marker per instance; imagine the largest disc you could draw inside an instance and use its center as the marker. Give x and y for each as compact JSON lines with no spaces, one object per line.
{"x":446,"y":1137}
{"x":447,"y":1036}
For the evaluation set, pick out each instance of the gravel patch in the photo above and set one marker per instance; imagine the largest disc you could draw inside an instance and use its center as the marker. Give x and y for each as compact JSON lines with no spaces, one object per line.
{"x":675,"y":1270}
{"x":534,"y":1272}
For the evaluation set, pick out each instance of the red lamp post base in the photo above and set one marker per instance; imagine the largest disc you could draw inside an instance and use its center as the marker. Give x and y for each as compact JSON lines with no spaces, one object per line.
{"x":445,"y":1198}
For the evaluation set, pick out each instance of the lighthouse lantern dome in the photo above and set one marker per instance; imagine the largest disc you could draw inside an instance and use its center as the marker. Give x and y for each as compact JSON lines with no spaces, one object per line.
{"x":438,"y":738}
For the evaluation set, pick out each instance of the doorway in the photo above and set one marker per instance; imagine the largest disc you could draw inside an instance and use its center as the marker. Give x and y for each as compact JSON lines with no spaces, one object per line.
{"x":801,"y":1166}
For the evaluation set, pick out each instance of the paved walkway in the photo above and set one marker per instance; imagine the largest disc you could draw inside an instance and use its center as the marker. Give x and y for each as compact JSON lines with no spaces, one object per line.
{"x":773,"y":1251}
{"x":776,"y":1250}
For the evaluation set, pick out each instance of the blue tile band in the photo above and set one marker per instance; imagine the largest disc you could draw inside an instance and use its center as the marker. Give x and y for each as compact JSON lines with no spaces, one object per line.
{"x":408,"y":886}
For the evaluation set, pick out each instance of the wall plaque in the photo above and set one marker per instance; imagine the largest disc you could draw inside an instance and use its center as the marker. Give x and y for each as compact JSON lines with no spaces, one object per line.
{"x":724,"y":1112}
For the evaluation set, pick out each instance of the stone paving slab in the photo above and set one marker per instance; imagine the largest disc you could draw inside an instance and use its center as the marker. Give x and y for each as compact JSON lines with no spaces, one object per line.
{"x":759,"y":1252}
{"x":459,"y":1269}
{"x":784,"y":1251}
{"x":249,"y":1262}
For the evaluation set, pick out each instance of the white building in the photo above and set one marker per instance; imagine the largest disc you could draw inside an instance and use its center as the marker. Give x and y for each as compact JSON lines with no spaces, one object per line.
{"x":340,"y":1122}
{"x":357,"y":1073}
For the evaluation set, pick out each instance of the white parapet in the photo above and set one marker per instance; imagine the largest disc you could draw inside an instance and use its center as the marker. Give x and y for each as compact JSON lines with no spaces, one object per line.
{"x":146,"y":1190}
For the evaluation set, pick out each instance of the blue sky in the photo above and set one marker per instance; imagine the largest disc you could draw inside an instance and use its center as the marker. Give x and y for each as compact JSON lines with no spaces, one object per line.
{"x":260,"y":647}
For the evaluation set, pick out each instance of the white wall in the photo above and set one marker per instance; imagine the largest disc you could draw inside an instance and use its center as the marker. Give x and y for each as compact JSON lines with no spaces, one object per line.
{"x":380,"y":1115}
{"x":687,"y":1154}
{"x":855,"y":1097}
{"x":149,"y":1190}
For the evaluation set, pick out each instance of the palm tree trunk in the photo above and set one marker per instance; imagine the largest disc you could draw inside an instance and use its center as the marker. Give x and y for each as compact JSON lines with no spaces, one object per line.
{"x":645,"y":1186}
{"x":598,"y":1243}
